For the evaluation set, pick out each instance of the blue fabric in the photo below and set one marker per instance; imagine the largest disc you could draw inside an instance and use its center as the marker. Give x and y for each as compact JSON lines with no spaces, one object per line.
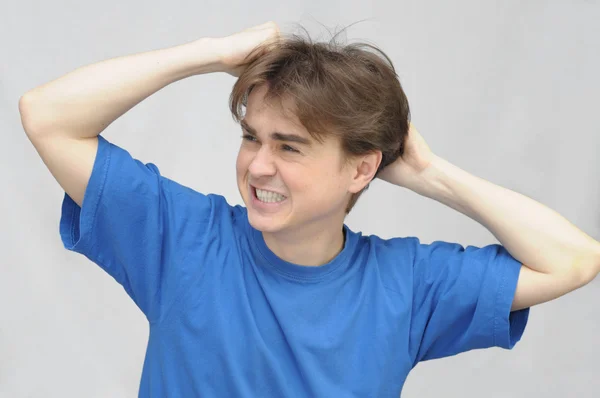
{"x":228,"y":318}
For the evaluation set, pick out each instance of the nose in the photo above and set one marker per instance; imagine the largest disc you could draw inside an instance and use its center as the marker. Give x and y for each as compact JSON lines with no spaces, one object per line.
{"x":263,"y":163}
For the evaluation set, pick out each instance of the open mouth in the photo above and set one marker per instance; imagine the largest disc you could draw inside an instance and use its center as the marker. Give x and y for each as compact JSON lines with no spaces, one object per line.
{"x":267,"y":197}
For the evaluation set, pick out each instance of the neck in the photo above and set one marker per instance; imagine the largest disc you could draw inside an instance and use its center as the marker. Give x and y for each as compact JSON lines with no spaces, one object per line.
{"x":311,"y":246}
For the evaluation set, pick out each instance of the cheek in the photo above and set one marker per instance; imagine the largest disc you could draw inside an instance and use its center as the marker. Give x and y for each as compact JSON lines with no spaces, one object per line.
{"x":319,"y":184}
{"x":241,"y":163}
{"x":337,"y":183}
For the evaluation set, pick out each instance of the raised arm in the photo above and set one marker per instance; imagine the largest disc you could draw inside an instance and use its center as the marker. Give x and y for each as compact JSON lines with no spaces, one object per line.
{"x":557,"y":257}
{"x":63,"y":118}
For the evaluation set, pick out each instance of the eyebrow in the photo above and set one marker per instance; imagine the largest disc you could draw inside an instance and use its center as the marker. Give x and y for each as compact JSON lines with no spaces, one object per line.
{"x":278,"y":136}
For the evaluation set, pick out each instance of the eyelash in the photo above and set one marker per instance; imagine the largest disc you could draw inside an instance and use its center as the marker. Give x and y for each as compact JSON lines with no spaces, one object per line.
{"x":285,"y":147}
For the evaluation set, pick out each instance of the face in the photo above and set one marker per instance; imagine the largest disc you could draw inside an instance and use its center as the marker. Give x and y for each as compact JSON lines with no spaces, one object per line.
{"x":288,"y":180}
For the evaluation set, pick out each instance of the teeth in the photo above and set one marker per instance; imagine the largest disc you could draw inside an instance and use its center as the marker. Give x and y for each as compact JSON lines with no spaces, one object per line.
{"x":268,"y":196}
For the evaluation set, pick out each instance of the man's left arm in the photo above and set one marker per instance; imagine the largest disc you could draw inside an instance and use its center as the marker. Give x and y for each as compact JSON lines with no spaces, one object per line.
{"x":557,"y":257}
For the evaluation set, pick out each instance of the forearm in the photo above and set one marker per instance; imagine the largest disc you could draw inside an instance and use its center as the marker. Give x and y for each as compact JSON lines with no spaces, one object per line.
{"x":535,"y":235}
{"x":85,"y":101}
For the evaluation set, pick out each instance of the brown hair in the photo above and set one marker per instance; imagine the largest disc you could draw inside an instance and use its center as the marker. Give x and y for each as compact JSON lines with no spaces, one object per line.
{"x":348,"y":91}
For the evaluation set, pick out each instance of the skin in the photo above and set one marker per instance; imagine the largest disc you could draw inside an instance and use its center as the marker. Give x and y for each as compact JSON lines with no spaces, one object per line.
{"x":307,"y":228}
{"x":556,"y":256}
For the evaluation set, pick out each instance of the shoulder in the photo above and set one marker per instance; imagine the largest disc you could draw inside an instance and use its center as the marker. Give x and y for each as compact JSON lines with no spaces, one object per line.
{"x":392,"y":258}
{"x":406,"y":245}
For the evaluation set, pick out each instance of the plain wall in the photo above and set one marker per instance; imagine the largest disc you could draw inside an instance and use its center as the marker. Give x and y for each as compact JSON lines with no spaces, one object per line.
{"x":505,"y":90}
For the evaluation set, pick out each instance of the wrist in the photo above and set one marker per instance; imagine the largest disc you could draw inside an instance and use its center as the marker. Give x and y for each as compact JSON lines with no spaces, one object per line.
{"x":446,"y":183}
{"x":221,"y":54}
{"x":432,"y":181}
{"x":205,"y":55}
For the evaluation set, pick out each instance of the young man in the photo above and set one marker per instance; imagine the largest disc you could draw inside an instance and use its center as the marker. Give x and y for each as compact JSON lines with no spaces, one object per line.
{"x":280,"y":298}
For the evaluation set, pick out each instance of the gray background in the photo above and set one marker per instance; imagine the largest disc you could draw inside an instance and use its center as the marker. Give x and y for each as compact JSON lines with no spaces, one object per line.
{"x":505,"y":90}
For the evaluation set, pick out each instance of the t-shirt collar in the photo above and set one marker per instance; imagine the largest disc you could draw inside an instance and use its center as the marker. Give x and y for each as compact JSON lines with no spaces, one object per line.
{"x":302,"y":273}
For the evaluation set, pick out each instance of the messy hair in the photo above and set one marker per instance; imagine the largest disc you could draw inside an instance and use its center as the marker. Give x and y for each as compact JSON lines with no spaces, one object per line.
{"x":348,"y":91}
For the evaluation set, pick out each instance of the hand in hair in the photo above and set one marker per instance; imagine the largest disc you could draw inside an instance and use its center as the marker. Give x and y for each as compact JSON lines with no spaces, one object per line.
{"x":235,"y":49}
{"x":408,"y":169}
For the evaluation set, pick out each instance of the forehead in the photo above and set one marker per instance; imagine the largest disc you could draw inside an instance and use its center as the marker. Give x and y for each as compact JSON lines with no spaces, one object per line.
{"x":273,"y":115}
{"x":260,"y":109}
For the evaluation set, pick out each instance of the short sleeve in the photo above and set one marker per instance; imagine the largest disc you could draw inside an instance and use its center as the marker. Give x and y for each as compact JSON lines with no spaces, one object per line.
{"x":138,"y":226}
{"x":462,"y":299}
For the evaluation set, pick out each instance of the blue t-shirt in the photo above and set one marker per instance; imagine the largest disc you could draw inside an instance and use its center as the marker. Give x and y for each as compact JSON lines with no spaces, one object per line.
{"x":228,"y":318}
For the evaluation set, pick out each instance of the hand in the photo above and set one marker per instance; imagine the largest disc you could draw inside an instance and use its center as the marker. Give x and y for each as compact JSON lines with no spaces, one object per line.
{"x":235,"y":48}
{"x":407,"y":170}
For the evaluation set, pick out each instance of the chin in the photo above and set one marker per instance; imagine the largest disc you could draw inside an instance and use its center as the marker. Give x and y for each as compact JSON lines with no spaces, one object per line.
{"x":263,"y":223}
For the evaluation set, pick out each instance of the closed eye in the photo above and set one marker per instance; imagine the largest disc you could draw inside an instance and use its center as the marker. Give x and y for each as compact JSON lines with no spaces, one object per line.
{"x":285,"y":147}
{"x":249,"y":137}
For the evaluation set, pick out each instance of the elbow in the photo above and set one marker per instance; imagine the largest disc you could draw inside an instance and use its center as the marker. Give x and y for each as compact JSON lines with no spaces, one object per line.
{"x":588,"y":268}
{"x":26,"y":103}
{"x":26,"y":110}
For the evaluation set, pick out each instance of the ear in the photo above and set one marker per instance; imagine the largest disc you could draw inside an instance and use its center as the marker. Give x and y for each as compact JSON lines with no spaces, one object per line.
{"x":364,"y":169}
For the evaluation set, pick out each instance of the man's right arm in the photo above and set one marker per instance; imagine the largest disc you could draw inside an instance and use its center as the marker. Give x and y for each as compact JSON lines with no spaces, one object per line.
{"x":63,"y":118}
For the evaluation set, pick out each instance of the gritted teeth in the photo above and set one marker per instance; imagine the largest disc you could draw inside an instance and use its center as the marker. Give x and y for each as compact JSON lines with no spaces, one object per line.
{"x":268,"y":196}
